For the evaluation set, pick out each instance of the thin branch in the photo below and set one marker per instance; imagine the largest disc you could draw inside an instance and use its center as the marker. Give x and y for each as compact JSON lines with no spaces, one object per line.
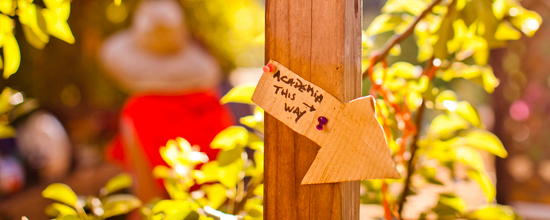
{"x":382,"y":53}
{"x":414,"y":148}
{"x":251,"y":186}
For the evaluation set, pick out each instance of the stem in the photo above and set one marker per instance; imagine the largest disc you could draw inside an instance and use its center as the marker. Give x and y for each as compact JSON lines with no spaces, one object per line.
{"x":414,"y":148}
{"x":251,"y":186}
{"x":382,"y":53}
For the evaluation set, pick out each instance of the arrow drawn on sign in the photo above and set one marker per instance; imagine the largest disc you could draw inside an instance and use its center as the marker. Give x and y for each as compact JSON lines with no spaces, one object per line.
{"x":353,"y":147}
{"x":311,"y":108}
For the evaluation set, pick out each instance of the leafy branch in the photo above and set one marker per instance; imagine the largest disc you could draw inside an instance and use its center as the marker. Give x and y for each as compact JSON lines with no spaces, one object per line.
{"x":382,"y":53}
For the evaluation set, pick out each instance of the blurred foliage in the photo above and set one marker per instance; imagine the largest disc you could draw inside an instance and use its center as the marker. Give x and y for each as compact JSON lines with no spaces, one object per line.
{"x":232,"y":30}
{"x":454,"y":38}
{"x":108,"y":204}
{"x":38,"y":19}
{"x":233,"y":183}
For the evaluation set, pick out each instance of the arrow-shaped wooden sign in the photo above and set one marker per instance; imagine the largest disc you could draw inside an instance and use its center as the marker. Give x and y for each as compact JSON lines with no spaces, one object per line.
{"x":353,"y":145}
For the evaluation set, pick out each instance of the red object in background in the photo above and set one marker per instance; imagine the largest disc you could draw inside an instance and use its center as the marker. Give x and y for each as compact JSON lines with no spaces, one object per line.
{"x":197,"y":117}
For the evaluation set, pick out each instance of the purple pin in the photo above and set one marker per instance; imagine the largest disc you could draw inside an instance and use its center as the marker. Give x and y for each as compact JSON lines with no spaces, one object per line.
{"x":322,"y":121}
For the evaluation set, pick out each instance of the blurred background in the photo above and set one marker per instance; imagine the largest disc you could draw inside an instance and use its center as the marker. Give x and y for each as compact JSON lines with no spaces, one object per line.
{"x":69,"y":106}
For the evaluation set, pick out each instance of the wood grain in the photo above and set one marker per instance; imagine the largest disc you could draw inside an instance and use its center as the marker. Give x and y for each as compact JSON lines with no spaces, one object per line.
{"x":353,"y":143}
{"x":320,"y":40}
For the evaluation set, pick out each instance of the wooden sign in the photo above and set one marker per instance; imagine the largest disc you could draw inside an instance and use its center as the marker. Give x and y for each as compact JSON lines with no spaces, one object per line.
{"x":353,"y":145}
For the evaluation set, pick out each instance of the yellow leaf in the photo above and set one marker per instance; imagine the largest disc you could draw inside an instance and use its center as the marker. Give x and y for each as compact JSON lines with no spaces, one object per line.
{"x":490,"y":82}
{"x":121,"y":181}
{"x":12,"y":56}
{"x":62,"y":193}
{"x":30,"y":19}
{"x":485,"y":184}
{"x":470,"y":157}
{"x":117,"y":2}
{"x":527,"y":21}
{"x":487,"y":141}
{"x":6,"y":6}
{"x":230,"y":138}
{"x":56,"y":20}
{"x":239,"y":94}
{"x":383,"y":23}
{"x":466,"y":111}
{"x":57,"y":209}
{"x":505,"y":31}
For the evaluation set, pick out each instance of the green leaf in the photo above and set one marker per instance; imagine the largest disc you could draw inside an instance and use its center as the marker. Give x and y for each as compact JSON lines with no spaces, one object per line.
{"x":469,"y":113}
{"x":62,"y":193}
{"x":231,"y":137}
{"x":57,"y":209}
{"x":484,"y":183}
{"x":121,"y":181}
{"x":487,"y":141}
{"x":500,"y":212}
{"x":383,"y":23}
{"x":239,"y":94}
{"x":120,"y":204}
{"x":505,"y":31}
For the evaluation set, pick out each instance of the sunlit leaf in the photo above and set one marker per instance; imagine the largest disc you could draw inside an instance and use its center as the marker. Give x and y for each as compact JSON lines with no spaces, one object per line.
{"x":410,"y":6}
{"x":216,"y":194}
{"x":484,"y":183}
{"x":527,"y":21}
{"x":172,"y":209}
{"x":230,"y":138}
{"x":33,"y":24}
{"x":500,"y":212}
{"x":121,"y":181}
{"x":505,"y":31}
{"x":239,"y":94}
{"x":56,"y":16}
{"x":490,"y":82}
{"x":487,"y":141}
{"x":57,"y":209}
{"x":383,"y":23}
{"x":60,"y":192}
{"x":444,"y":126}
{"x":453,"y":201}
{"x":470,"y":157}
{"x":120,"y":204}
{"x":469,"y":113}
{"x":12,"y":56}
{"x":6,"y":6}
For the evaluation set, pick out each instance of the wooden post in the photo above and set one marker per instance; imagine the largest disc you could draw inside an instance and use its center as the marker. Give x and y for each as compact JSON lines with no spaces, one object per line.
{"x":321,"y":41}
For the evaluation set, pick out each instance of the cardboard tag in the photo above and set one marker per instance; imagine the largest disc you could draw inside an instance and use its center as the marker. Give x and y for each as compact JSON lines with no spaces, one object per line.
{"x":353,"y":144}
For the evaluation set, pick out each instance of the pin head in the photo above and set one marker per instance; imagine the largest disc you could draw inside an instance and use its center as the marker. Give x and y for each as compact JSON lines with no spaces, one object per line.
{"x":268,"y":68}
{"x":322,"y":120}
